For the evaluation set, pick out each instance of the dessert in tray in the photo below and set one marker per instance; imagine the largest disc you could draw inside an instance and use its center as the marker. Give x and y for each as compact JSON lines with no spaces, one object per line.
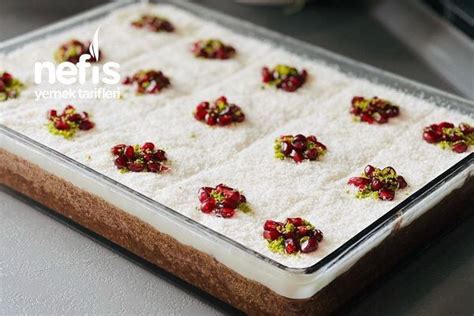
{"x":281,"y":159}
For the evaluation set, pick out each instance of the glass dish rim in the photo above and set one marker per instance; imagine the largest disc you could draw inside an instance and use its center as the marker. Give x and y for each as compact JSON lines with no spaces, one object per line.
{"x":310,"y":51}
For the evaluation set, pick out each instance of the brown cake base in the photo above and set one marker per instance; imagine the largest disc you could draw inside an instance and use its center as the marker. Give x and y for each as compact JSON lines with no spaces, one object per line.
{"x":201,"y":269}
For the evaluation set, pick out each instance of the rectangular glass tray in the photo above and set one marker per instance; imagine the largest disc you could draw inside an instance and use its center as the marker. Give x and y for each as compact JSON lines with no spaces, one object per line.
{"x":295,"y":283}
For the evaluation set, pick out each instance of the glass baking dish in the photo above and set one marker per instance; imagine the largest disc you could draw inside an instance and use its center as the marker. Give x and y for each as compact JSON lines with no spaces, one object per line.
{"x":292,"y":283}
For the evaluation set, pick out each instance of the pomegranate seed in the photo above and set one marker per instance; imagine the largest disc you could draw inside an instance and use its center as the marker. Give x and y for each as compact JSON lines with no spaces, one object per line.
{"x":386,"y":195}
{"x":75,"y":118}
{"x":135,"y":166}
{"x":297,"y":221}
{"x":318,"y":234}
{"x":321,"y":146}
{"x":286,"y":148}
{"x":266,"y":75}
{"x":226,"y":212}
{"x":459,"y":147}
{"x":312,"y":138}
{"x":129,"y":152}
{"x":86,"y":125}
{"x":446,"y":125}
{"x":376,"y":184}
{"x":7,"y":78}
{"x":401,"y":182}
{"x":61,"y":125}
{"x":309,"y":244}
{"x":243,"y":199}
{"x":153,"y":166}
{"x":303,"y":231}
{"x":271,"y":234}
{"x":430,"y":137}
{"x":290,"y":246}
{"x":208,"y":205}
{"x":311,"y":154}
{"x":369,"y":170}
{"x":300,"y":138}
{"x":224,"y":119}
{"x":148,"y":146}
{"x":272,"y":225}
{"x":203,"y":194}
{"x":466,"y":128}
{"x":118,"y":149}
{"x":121,"y":162}
{"x":299,"y":146}
{"x":297,"y":157}
{"x":359,"y":182}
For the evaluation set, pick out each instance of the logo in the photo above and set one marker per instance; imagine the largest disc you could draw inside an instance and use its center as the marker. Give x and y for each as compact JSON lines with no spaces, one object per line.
{"x":68,"y":73}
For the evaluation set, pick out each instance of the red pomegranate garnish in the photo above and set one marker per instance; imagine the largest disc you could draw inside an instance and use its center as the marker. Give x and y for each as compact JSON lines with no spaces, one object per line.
{"x":222,"y":201}
{"x":284,"y":77}
{"x":148,"y":81}
{"x":68,"y":122}
{"x":458,"y":139}
{"x":378,"y":183}
{"x":212,"y":49}
{"x":220,"y":112}
{"x":72,"y":50}
{"x":153,"y":23}
{"x":299,"y":148}
{"x":10,"y":87}
{"x":146,"y":158}
{"x":373,"y":110}
{"x":294,"y":236}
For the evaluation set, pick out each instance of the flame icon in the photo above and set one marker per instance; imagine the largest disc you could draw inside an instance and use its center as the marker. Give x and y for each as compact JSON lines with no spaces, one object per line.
{"x":94,"y":46}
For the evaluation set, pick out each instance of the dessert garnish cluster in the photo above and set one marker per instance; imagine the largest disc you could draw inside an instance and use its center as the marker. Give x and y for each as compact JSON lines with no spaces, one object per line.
{"x":378,"y":183}
{"x":68,"y":122}
{"x":293,"y":236}
{"x":222,"y":201}
{"x":219,"y":112}
{"x":148,"y":81}
{"x":71,"y":51}
{"x":299,"y":148}
{"x":373,"y":110}
{"x":284,"y":77}
{"x":10,"y":87}
{"x":212,"y":49}
{"x":145,"y":158}
{"x":448,"y":136}
{"x":153,"y":23}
